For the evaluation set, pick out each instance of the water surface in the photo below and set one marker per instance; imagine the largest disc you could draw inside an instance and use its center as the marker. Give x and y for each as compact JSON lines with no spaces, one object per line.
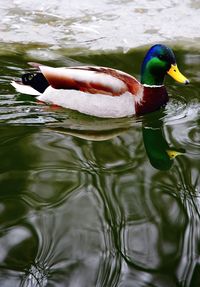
{"x":89,"y":25}
{"x":97,"y":202}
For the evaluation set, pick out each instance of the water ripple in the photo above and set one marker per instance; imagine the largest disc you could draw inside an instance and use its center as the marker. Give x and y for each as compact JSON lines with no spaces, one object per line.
{"x":81,"y":203}
{"x":80,"y":24}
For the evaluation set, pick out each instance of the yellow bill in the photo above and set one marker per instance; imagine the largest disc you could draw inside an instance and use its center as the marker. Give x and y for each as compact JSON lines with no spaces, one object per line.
{"x":173,"y":153}
{"x":176,"y":75}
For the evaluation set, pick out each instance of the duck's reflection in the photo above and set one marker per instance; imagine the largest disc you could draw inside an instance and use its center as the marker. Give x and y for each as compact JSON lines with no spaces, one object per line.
{"x":161,"y":154}
{"x":84,"y":223}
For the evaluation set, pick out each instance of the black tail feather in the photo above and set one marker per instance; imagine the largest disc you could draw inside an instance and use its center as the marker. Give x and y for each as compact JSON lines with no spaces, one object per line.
{"x":36,"y":80}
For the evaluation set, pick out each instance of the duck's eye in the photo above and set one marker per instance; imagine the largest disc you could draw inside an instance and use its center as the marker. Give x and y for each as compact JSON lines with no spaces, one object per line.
{"x":161,"y":57}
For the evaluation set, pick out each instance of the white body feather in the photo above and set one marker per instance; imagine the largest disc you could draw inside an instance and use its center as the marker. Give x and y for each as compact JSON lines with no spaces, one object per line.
{"x":92,"y":104}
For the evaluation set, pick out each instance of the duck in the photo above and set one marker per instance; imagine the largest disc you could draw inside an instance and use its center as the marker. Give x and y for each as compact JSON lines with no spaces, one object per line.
{"x":102,"y":91}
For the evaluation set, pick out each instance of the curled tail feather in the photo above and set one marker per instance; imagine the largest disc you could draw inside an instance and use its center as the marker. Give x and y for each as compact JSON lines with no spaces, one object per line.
{"x":31,"y":83}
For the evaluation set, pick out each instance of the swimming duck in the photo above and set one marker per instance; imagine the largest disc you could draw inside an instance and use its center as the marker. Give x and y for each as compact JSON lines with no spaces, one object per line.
{"x":105,"y":92}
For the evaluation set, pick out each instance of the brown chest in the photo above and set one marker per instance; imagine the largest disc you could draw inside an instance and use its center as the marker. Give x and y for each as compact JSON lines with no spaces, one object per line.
{"x":153,"y":99}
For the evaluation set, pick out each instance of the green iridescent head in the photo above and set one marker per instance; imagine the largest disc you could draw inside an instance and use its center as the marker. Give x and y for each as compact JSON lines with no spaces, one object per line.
{"x":158,"y":62}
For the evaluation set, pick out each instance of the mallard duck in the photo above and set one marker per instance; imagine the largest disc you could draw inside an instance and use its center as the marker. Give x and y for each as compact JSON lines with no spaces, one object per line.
{"x":105,"y":92}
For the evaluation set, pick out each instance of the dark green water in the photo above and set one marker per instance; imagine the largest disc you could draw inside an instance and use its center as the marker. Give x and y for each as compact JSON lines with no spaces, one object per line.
{"x":111,"y":212}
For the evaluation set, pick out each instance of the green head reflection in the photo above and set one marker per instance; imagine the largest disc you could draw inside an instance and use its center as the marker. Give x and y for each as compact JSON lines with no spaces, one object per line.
{"x":159,"y":152}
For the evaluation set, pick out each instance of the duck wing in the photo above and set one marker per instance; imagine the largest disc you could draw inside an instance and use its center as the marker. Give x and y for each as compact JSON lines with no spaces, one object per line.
{"x":90,"y":79}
